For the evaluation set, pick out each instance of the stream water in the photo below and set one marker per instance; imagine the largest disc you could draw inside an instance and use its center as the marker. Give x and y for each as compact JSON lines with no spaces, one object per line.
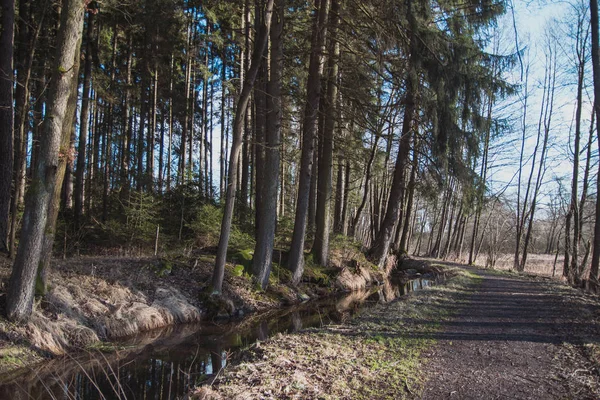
{"x":166,"y":363}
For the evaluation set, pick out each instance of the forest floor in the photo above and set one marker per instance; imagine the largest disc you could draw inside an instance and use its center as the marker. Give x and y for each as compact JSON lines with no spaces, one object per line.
{"x":482,"y":335}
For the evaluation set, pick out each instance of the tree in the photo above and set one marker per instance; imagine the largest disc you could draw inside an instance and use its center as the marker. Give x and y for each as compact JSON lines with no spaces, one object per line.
{"x":19,"y":300}
{"x":236,"y":143}
{"x":6,"y":116}
{"x":596,"y":74}
{"x":263,"y":251}
{"x":309,"y":129}
{"x":321,"y":245}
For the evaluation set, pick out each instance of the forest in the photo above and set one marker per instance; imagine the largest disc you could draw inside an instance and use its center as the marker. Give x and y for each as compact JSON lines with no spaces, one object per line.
{"x":283,"y":125}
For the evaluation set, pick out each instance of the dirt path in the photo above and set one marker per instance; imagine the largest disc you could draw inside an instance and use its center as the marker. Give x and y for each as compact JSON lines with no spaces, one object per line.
{"x":516,"y":338}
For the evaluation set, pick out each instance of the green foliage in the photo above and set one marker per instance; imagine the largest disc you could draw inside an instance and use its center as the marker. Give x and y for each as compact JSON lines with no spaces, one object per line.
{"x":142,"y":213}
{"x":183,"y":204}
{"x":206,"y":228}
{"x":238,"y":270}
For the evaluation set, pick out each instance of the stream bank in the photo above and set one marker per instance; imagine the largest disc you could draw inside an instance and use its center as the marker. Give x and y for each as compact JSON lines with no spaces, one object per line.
{"x":374,"y":355}
{"x":95,"y":300}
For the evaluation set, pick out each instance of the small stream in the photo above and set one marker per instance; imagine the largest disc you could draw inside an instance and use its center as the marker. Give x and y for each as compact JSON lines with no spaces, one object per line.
{"x":166,"y":363}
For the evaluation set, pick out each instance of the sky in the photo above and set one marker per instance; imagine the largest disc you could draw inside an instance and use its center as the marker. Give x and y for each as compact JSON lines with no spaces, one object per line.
{"x":532,"y":20}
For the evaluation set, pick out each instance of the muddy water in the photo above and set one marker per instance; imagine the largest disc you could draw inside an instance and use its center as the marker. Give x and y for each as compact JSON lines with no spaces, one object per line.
{"x":166,"y":363}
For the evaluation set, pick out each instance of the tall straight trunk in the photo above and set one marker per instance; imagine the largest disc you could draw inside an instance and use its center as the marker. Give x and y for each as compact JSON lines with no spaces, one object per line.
{"x":206,"y":116}
{"x":84,"y":120}
{"x":260,"y":124}
{"x":170,"y":147}
{"x":522,"y":209}
{"x":28,"y":42}
{"x":108,"y":131}
{"x":380,"y":247}
{"x":68,"y":133}
{"x":453,"y":221}
{"x":480,"y":190}
{"x":596,"y":74}
{"x":409,"y":204}
{"x":242,"y":105}
{"x":584,"y":191}
{"x":6,"y":116}
{"x":321,"y":245}
{"x":223,"y":149}
{"x":192,"y":136}
{"x":181,"y":169}
{"x":338,"y":226}
{"x":544,"y":126}
{"x":574,"y":208}
{"x":244,"y":64}
{"x":127,"y":125}
{"x":367,"y":185}
{"x":435,"y":252}
{"x":94,"y":179}
{"x":312,"y":194}
{"x":265,"y":235}
{"x":309,"y":128}
{"x":19,"y":301}
{"x":161,"y":151}
{"x":66,"y":201}
{"x":345,"y":204}
{"x":152,"y":121}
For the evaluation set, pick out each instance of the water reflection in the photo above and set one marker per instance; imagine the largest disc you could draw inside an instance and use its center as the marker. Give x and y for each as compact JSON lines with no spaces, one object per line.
{"x":166,"y":363}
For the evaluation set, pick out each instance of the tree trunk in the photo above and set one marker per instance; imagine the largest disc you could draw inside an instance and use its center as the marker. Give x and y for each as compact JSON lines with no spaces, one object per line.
{"x":380,"y":247}
{"x":309,"y":128}
{"x":19,"y":301}
{"x":236,"y":144}
{"x":338,"y":226}
{"x":544,"y":125}
{"x":7,"y":20}
{"x":68,"y":132}
{"x":409,"y":205}
{"x":367,"y":185}
{"x":263,"y":251}
{"x":596,"y":74}
{"x":84,"y":120}
{"x":321,"y":244}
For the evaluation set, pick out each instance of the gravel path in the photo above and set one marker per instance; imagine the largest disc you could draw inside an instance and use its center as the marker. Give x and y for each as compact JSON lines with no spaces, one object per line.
{"x":516,"y":338}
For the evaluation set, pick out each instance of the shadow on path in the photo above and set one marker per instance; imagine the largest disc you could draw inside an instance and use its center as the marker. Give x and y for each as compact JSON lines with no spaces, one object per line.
{"x":510,"y":340}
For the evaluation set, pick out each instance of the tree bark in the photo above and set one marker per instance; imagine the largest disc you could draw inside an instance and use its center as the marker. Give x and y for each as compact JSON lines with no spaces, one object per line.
{"x":263,"y":251}
{"x":321,"y":245}
{"x":596,"y":74}
{"x":19,"y":300}
{"x":6,"y":116}
{"x":409,"y":205}
{"x":84,"y":120}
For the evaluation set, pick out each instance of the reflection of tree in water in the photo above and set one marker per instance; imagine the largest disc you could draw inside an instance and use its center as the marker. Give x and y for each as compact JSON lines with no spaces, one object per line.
{"x":262,"y":330}
{"x":296,"y":321}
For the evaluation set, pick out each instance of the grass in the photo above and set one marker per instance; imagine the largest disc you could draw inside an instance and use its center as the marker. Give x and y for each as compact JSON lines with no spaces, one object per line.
{"x":16,"y":356}
{"x":376,"y":355}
